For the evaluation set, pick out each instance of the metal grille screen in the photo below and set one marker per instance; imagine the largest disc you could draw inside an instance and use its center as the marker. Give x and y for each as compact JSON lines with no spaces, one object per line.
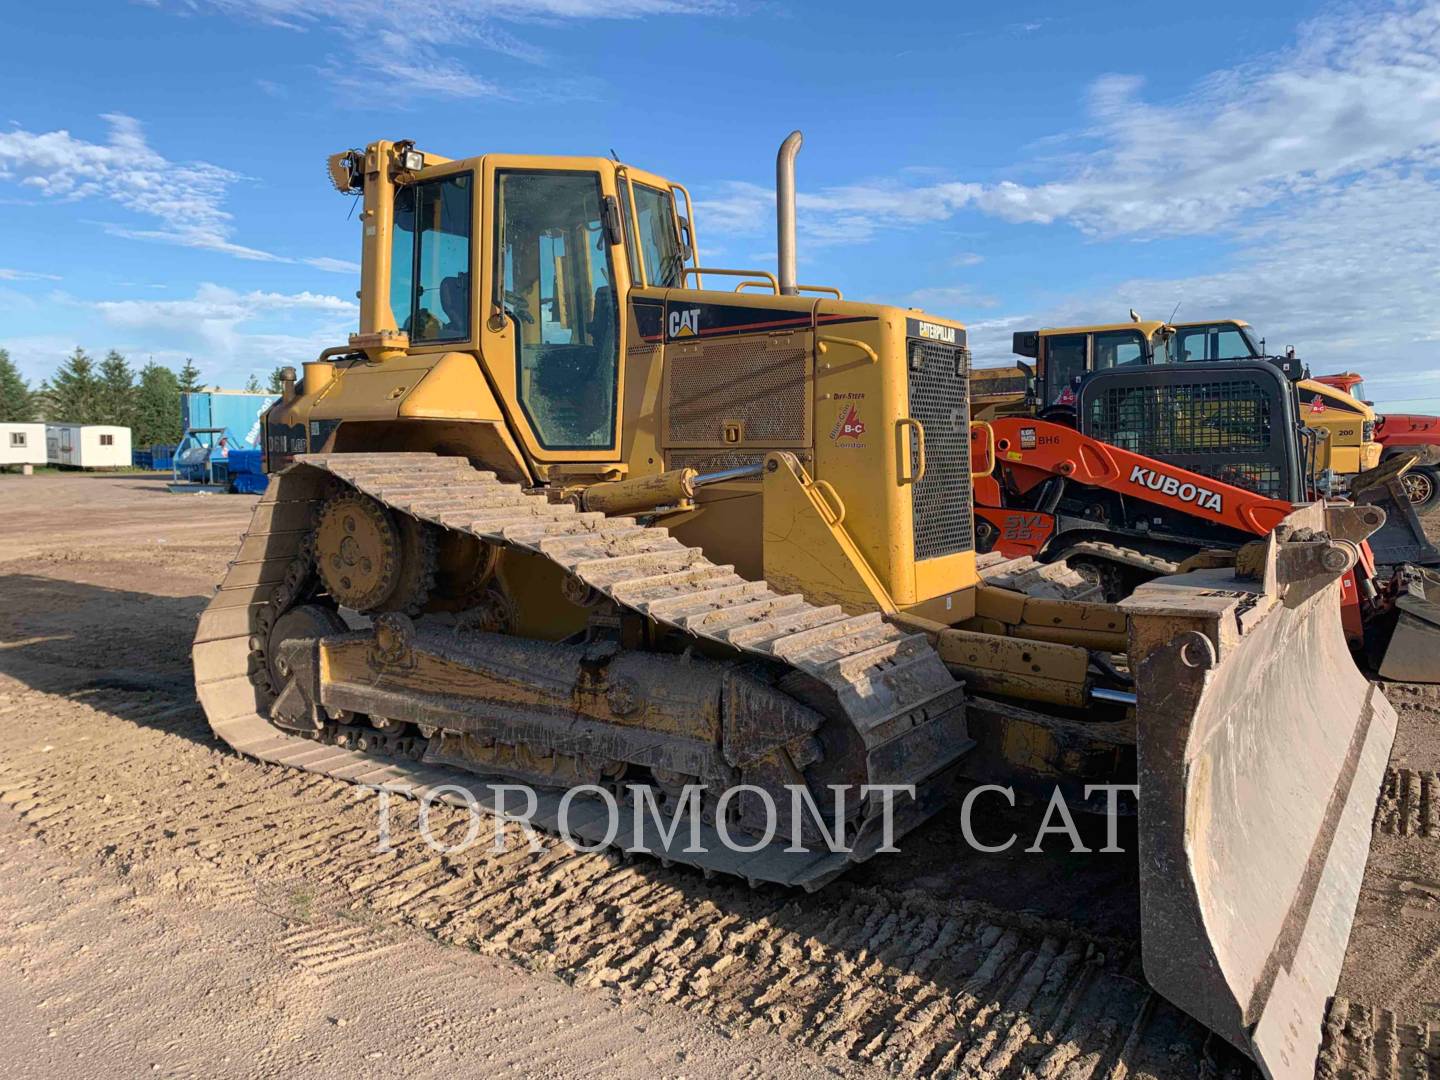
{"x":942,"y":515}
{"x":741,"y":380}
{"x":1223,"y":430}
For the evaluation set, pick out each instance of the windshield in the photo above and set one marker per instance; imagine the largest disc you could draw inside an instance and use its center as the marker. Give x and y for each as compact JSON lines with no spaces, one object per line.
{"x":1212,"y":341}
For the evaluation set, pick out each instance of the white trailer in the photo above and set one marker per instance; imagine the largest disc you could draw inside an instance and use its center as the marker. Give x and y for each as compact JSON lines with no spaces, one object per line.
{"x":87,"y":446}
{"x":22,"y":444}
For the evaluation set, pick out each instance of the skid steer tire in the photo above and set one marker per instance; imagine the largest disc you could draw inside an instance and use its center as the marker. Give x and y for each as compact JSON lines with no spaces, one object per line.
{"x":1422,"y":485}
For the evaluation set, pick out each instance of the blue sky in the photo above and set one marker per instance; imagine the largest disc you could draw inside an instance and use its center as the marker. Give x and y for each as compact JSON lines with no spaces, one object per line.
{"x":162,"y":188}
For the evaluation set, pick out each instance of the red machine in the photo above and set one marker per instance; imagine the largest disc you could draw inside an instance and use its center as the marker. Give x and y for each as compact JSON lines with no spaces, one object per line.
{"x":1402,"y":433}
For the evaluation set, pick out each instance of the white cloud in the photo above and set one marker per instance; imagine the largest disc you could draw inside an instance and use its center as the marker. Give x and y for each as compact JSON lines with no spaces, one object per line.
{"x":217,"y":304}
{"x":227,"y":331}
{"x":1360,"y":91}
{"x":421,"y":44}
{"x":842,"y":214}
{"x":26,"y":275}
{"x":186,"y":198}
{"x":1319,"y":167}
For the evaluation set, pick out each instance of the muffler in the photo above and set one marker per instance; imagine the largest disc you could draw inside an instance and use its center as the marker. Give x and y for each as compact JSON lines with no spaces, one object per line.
{"x":785,"y":213}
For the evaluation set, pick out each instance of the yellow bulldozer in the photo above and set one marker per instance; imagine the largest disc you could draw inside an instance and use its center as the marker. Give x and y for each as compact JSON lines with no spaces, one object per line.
{"x":564,"y":513}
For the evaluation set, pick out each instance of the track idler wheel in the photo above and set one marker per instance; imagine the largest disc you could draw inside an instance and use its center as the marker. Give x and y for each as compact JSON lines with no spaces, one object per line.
{"x":371,"y":559}
{"x":305,"y":621}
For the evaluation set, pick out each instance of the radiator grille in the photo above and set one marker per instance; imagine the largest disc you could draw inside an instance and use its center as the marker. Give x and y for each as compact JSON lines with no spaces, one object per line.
{"x":764,"y":389}
{"x":1223,"y":430}
{"x":939,"y":376}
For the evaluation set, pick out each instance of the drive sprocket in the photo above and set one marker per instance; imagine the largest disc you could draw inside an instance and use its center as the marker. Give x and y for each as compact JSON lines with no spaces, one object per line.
{"x":371,"y":559}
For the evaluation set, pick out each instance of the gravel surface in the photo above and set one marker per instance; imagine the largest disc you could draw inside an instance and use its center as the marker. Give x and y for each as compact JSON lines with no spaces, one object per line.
{"x":171,"y":908}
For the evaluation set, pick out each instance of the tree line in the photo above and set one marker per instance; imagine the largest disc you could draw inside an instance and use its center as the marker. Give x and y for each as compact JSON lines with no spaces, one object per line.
{"x":83,"y":391}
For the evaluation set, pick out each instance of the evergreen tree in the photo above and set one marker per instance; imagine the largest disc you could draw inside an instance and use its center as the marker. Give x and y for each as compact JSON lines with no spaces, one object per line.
{"x":277,"y":384}
{"x":117,"y":391}
{"x":189,"y":377}
{"x":157,"y":407}
{"x":17,"y":403}
{"x":252,"y":385}
{"x":76,"y":390}
{"x":42,"y":400}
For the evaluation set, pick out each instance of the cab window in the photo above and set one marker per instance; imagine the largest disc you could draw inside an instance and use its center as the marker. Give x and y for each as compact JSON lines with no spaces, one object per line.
{"x":559,"y":295}
{"x":631,"y":247}
{"x":1117,"y":348}
{"x":430,"y":259}
{"x":1064,"y":363}
{"x":1218,"y":342}
{"x":659,"y":242}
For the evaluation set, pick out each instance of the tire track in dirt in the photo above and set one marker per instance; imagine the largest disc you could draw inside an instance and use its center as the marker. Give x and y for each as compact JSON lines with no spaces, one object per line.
{"x":906,"y":981}
{"x":1409,"y":803}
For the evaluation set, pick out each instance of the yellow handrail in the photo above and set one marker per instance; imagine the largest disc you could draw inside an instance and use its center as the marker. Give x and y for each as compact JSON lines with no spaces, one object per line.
{"x":824,"y":341}
{"x":990,"y":439}
{"x":698,"y":270}
{"x":903,"y":459}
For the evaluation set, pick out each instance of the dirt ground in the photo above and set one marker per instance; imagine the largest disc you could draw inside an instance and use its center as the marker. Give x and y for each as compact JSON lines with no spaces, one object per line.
{"x":167,"y":907}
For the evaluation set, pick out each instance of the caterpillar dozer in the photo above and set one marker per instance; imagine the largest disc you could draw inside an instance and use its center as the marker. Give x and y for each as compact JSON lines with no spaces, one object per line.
{"x":562,"y":514}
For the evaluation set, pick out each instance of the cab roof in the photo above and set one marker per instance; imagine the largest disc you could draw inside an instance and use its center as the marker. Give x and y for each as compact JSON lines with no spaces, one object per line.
{"x":1148,"y":327}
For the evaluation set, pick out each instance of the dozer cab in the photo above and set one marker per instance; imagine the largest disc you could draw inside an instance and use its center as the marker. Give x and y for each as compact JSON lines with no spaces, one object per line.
{"x":573,"y":512}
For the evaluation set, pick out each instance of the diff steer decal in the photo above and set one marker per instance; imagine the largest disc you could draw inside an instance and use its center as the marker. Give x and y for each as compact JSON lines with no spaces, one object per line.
{"x":1183,"y":490}
{"x":685,"y":320}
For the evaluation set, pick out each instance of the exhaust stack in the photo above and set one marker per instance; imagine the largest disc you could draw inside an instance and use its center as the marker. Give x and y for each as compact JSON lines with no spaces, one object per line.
{"x":785,"y":211}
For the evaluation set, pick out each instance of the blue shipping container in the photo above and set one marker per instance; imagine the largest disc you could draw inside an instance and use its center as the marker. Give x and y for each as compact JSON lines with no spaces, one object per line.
{"x":239,"y":413}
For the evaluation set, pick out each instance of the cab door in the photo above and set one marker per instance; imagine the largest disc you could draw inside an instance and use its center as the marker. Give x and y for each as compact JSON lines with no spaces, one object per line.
{"x":552,"y":334}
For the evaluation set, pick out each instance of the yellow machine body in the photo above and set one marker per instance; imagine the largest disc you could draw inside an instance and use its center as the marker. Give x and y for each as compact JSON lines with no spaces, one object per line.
{"x":704,"y":378}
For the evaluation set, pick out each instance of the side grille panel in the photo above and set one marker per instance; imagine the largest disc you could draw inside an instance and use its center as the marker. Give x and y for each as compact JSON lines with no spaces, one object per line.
{"x":744,"y":380}
{"x":939,"y":400}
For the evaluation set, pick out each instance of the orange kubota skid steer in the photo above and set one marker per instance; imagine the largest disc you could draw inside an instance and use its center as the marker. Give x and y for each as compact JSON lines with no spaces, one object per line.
{"x":1169,"y":462}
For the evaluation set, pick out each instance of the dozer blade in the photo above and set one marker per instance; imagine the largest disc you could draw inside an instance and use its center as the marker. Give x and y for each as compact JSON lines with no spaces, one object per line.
{"x":1261,"y":751}
{"x":1402,"y":538}
{"x":1413,"y":654}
